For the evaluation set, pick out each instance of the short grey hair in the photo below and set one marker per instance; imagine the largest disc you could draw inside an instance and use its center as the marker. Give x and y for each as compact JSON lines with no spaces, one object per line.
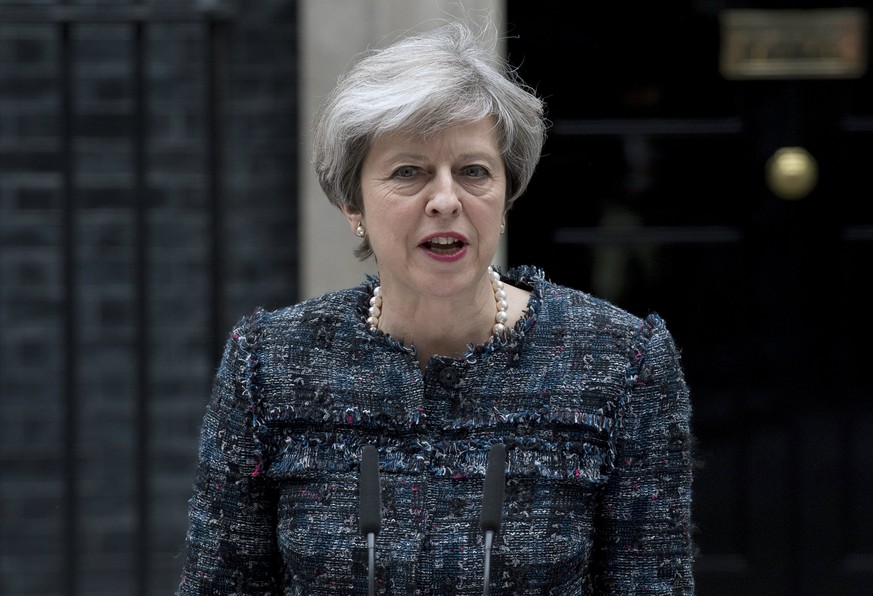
{"x":423,"y":84}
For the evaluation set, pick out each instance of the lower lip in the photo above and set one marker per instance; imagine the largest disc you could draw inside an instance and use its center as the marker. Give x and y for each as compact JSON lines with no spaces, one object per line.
{"x":446,"y":258}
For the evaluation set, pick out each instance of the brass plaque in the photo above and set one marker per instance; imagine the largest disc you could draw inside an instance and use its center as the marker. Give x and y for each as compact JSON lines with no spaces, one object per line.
{"x":797,"y":44}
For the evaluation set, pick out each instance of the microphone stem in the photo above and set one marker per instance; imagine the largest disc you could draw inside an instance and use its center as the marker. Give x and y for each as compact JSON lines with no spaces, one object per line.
{"x":489,"y":537}
{"x":371,"y":566}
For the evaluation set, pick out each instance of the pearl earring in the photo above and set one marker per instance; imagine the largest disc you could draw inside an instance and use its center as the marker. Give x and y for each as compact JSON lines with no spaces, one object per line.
{"x":502,"y":227}
{"x":360,"y":232}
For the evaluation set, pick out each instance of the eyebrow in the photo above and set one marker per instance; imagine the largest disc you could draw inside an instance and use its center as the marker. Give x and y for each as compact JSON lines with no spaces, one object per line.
{"x":469,"y":156}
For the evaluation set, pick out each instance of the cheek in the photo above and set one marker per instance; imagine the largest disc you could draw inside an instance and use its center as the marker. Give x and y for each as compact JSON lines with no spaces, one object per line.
{"x":392,"y":218}
{"x":489,"y":219}
{"x":385,"y":230}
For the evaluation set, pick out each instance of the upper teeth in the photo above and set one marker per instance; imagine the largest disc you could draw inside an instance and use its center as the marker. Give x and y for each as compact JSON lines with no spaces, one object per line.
{"x":442,"y":240}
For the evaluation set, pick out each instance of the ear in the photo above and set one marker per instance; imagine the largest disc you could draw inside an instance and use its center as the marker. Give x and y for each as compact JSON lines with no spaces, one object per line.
{"x":353,"y":216}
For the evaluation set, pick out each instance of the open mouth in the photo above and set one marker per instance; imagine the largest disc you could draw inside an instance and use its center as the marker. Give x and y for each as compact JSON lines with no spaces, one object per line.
{"x":443,"y":245}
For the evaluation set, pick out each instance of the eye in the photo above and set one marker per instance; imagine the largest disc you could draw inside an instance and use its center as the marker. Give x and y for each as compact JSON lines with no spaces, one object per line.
{"x":476,"y":171}
{"x":405,"y":172}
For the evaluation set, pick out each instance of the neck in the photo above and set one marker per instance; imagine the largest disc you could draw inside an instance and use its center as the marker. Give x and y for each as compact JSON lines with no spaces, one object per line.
{"x":440,"y":325}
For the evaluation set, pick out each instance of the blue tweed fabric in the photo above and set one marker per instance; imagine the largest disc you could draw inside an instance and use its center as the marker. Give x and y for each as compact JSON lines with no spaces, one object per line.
{"x":590,"y":402}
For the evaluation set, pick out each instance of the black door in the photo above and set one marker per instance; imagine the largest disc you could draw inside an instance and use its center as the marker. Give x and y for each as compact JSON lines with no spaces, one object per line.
{"x":663,"y":188}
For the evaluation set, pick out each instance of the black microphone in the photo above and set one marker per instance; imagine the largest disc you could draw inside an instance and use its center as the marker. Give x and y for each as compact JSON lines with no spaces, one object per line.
{"x":370,"y":514}
{"x":492,"y":504}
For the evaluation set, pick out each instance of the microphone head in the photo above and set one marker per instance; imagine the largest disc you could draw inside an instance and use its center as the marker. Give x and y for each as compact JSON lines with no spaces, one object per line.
{"x":369,"y":492}
{"x":495,"y":483}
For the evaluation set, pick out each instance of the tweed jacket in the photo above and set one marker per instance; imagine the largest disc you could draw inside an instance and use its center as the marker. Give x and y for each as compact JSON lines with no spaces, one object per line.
{"x":589,"y":401}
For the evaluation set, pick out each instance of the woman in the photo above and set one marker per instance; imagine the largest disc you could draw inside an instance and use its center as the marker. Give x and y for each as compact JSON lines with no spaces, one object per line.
{"x":424,"y":146}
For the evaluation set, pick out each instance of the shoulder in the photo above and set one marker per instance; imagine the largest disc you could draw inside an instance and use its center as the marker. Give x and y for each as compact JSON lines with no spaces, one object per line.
{"x":326,"y":309}
{"x":264,"y":335}
{"x":564,"y":305}
{"x":576,"y":317}
{"x":265,"y":343}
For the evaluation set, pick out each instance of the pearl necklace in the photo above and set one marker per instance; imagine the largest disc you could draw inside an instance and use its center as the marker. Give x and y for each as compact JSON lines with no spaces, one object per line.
{"x":499,"y":298}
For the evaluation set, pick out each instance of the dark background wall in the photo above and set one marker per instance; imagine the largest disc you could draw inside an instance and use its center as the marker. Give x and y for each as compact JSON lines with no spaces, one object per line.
{"x":652,"y":193}
{"x":147,"y":200}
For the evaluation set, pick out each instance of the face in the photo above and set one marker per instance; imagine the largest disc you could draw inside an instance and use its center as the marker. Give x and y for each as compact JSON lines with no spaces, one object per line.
{"x":433,"y":209}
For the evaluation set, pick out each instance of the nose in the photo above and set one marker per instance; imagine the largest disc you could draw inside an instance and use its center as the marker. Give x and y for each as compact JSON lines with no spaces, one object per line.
{"x":443,"y":199}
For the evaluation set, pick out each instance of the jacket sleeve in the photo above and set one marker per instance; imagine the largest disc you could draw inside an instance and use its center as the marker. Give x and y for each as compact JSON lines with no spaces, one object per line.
{"x":645,"y":533}
{"x":231,"y":539}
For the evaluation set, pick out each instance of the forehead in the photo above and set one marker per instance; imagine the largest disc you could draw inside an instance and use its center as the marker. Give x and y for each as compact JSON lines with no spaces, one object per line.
{"x":468,"y":138}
